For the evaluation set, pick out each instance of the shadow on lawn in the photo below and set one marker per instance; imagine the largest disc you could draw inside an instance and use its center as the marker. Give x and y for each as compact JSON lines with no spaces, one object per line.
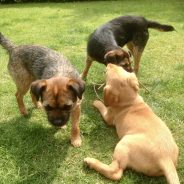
{"x":33,"y":149}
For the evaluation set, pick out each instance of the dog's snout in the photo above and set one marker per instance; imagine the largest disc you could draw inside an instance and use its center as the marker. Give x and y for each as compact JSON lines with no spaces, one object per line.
{"x":58,"y":121}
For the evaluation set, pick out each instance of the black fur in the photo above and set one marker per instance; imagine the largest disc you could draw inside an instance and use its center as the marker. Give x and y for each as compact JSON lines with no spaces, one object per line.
{"x":77,"y":86}
{"x":106,"y":42}
{"x":41,"y":62}
{"x":118,"y":32}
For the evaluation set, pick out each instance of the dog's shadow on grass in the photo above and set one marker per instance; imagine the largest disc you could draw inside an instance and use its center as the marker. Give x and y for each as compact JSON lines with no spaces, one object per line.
{"x":35,"y":151}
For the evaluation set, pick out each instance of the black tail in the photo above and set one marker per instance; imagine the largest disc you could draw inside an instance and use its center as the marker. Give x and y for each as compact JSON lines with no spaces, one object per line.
{"x":160,"y":27}
{"x":7,"y":44}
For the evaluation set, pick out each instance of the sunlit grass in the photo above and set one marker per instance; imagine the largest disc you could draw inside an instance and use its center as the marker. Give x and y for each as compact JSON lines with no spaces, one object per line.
{"x":31,"y":151}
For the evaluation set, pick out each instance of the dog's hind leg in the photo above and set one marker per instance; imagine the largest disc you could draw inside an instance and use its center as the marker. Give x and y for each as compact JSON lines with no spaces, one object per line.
{"x":22,"y":79}
{"x":136,"y":46}
{"x":169,"y":170}
{"x":21,"y":91}
{"x":114,"y":171}
{"x":137,"y":53}
{"x":86,"y":69}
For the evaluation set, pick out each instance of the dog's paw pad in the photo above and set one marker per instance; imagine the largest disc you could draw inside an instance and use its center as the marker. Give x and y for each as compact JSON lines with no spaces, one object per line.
{"x":77,"y":142}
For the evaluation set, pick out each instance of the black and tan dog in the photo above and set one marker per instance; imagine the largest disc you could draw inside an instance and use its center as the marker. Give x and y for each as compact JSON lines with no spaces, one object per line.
{"x":104,"y":44}
{"x":146,"y":143}
{"x":53,"y":80}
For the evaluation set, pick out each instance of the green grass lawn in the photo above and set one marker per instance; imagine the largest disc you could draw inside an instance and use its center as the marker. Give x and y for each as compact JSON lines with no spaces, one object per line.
{"x":33,"y":152}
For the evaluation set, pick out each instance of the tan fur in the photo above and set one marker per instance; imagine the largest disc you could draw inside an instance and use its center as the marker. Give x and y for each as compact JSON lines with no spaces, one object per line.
{"x":60,"y":89}
{"x":57,"y":95}
{"x":146,"y":144}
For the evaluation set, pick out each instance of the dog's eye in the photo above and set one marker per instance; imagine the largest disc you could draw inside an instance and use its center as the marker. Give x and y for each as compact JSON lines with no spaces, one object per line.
{"x":67,"y":107}
{"x":48,"y":108}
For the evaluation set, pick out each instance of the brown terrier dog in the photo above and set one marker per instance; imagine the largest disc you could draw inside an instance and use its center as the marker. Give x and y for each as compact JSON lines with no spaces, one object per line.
{"x":56,"y":82}
{"x":146,"y":144}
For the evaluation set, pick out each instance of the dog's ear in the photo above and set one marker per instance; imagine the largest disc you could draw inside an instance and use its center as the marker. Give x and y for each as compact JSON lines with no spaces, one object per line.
{"x":37,"y":88}
{"x":110,"y":57}
{"x":77,"y":86}
{"x":110,"y":96}
{"x":134,"y":82}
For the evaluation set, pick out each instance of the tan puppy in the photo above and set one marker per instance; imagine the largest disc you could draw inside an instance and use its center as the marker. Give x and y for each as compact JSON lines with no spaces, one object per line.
{"x":146,"y":144}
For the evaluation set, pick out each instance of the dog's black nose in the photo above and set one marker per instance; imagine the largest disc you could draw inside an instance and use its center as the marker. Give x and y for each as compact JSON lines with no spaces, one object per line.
{"x":58,"y":122}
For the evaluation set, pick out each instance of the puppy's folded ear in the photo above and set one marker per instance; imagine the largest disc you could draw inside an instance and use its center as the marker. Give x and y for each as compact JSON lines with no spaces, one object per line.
{"x":110,"y":57}
{"x":134,"y":82}
{"x":77,"y":86}
{"x":37,"y":88}
{"x":110,"y":96}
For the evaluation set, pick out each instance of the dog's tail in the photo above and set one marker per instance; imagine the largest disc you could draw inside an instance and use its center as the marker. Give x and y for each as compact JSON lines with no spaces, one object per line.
{"x":7,"y":44}
{"x":160,"y":27}
{"x":170,"y":172}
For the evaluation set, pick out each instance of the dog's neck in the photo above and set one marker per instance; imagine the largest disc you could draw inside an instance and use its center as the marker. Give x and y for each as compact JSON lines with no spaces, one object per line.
{"x":138,"y":100}
{"x":111,"y":48}
{"x":123,"y":108}
{"x":124,"y":105}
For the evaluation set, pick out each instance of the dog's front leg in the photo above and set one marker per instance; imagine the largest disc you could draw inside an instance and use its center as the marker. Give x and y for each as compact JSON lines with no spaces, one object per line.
{"x":75,"y":132}
{"x":108,"y":118}
{"x":88,"y":65}
{"x":19,"y":96}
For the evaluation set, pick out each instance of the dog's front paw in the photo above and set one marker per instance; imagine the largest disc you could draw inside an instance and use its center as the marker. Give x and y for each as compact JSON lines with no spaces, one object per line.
{"x":76,"y":142}
{"x":24,"y":112}
{"x":97,"y":103}
{"x":89,"y":161}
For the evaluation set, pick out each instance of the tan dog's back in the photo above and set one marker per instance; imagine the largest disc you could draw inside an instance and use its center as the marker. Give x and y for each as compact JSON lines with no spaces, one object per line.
{"x":148,"y":138}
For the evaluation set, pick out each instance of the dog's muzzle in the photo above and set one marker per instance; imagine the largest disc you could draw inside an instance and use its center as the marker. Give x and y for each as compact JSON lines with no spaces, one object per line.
{"x":59,"y":122}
